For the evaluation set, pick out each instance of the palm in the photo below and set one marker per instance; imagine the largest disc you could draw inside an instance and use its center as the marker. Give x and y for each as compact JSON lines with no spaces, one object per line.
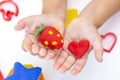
{"x":76,"y":31}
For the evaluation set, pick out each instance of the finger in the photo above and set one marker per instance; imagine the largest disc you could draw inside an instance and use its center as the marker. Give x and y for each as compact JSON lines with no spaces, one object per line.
{"x":26,"y":44}
{"x":34,"y":39}
{"x":50,"y":54}
{"x":20,"y":26}
{"x":22,"y":23}
{"x":56,"y":56}
{"x":42,"y":52}
{"x":31,"y":22}
{"x":60,"y":59}
{"x":98,"y":49}
{"x":80,"y":63}
{"x":67,"y":64}
{"x":35,"y":49}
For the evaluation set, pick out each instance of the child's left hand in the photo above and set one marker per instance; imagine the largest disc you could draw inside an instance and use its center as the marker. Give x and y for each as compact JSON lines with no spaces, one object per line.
{"x":77,"y":30}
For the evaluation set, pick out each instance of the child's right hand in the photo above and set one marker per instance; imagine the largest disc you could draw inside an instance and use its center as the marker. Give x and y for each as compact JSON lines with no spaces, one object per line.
{"x":77,"y":30}
{"x":30,"y":42}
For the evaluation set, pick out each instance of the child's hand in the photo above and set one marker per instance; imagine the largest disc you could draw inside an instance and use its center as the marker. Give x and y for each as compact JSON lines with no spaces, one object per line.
{"x":77,"y":30}
{"x":30,"y":42}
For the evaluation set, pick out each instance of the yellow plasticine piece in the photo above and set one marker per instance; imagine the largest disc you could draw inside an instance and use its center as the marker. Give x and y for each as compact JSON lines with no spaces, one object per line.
{"x":11,"y":71}
{"x":71,"y":14}
{"x":28,"y":65}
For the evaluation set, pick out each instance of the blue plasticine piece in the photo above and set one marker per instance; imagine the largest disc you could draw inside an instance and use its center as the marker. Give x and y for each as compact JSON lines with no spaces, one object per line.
{"x":22,"y":73}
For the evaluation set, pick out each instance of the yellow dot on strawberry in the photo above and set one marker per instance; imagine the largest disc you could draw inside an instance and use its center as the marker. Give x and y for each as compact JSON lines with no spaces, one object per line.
{"x":58,"y":35}
{"x":46,"y":43}
{"x":50,"y":32}
{"x":56,"y":28}
{"x":54,"y":43}
{"x":62,"y":41}
{"x":56,"y":49}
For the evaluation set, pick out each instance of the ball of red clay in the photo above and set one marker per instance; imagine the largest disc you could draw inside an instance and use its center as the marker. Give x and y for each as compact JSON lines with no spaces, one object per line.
{"x":51,"y":38}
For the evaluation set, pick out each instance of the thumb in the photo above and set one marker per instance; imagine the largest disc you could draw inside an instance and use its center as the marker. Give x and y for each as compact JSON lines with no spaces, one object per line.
{"x":23,"y":23}
{"x":20,"y":26}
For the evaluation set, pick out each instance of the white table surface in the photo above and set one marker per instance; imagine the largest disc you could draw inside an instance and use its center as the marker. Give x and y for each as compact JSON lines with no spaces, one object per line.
{"x":11,"y":52}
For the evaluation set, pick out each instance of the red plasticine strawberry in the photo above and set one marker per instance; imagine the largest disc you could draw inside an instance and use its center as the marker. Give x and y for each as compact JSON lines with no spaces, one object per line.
{"x":50,"y":37}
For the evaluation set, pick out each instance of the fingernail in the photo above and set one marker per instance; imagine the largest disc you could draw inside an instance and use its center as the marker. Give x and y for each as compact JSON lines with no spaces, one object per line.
{"x":34,"y":51}
{"x":25,"y":49}
{"x":73,"y":72}
{"x":100,"y":60}
{"x":56,"y":67}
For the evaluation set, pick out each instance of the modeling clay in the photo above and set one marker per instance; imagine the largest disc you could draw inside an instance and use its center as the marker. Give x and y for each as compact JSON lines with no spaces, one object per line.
{"x":106,"y":36}
{"x":41,"y":77}
{"x":22,"y":73}
{"x":50,"y":37}
{"x":78,"y":49}
{"x":8,"y":8}
{"x":1,"y":76}
{"x":71,"y":14}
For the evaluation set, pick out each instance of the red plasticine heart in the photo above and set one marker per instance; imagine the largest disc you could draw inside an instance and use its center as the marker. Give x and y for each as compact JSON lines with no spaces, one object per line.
{"x":112,"y":43}
{"x":78,"y":49}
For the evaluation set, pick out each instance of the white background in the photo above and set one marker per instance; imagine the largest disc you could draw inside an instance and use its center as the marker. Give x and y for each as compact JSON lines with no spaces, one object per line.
{"x":11,"y":52}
